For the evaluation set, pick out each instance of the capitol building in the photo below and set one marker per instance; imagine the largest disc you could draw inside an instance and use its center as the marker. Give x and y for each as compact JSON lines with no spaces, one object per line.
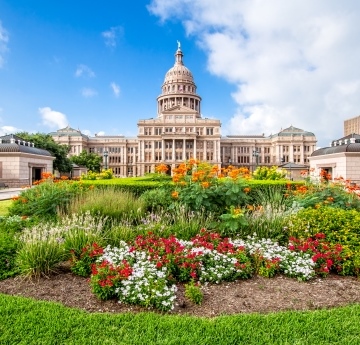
{"x":179,"y":132}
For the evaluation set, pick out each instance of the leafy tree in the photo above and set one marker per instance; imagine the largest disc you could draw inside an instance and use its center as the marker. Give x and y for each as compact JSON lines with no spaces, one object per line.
{"x":46,"y":142}
{"x":92,"y":161}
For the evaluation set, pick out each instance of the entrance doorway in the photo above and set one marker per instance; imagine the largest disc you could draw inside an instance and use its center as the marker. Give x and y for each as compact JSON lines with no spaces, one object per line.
{"x":36,"y":174}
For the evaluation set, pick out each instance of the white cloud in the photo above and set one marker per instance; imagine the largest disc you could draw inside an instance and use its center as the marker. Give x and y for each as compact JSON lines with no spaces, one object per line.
{"x":4,"y":39}
{"x":293,"y":62}
{"x":89,"y":133}
{"x":88,"y":92}
{"x":115,"y":88}
{"x":112,"y":35}
{"x":9,"y":130}
{"x":84,"y":71}
{"x":52,"y":118}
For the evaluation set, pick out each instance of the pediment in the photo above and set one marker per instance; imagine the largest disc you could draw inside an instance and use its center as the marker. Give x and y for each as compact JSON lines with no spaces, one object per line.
{"x":179,"y":109}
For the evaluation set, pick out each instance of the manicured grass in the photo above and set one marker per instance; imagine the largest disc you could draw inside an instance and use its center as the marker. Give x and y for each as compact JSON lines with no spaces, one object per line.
{"x":25,"y":321}
{"x":4,"y":205}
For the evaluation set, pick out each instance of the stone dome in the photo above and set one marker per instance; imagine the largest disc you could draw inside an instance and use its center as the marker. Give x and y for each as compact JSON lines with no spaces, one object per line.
{"x":178,"y":73}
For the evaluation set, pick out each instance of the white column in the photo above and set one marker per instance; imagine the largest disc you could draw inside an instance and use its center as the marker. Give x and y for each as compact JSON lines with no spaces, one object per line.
{"x":163,"y":150}
{"x":184,"y":150}
{"x":204,"y":151}
{"x":173,"y":150}
{"x":194,"y":155}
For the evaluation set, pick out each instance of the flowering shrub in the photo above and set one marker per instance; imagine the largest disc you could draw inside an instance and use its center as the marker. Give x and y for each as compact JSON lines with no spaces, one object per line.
{"x":45,"y":199}
{"x":338,"y":225}
{"x":327,"y":257}
{"x":339,"y":193}
{"x":203,"y":186}
{"x":106,"y":278}
{"x":81,"y":265}
{"x":233,"y":220}
{"x":270,"y":258}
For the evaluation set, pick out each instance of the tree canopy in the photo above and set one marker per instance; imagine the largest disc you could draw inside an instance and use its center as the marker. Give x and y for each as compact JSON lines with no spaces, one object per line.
{"x":91,"y":161}
{"x":46,"y":142}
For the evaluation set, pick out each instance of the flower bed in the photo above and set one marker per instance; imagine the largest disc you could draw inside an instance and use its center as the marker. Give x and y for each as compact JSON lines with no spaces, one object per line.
{"x":145,"y":272}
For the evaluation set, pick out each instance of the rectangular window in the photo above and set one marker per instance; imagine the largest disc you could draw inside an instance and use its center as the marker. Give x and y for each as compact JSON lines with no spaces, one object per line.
{"x":209,"y":131}
{"x":158,"y":131}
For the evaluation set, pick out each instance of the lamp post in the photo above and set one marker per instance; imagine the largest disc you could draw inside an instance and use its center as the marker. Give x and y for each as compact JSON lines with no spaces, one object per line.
{"x":256,"y":155}
{"x":106,"y":154}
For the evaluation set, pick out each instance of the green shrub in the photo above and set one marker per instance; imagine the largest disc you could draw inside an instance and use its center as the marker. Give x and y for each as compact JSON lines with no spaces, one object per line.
{"x":159,"y":198}
{"x":8,"y":248}
{"x":193,"y":292}
{"x":44,"y":200}
{"x":134,"y":185}
{"x":326,"y":194}
{"x":269,"y":173}
{"x":339,"y":226}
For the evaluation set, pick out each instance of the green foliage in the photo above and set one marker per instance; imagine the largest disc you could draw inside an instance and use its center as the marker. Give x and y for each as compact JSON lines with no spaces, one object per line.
{"x":40,"y":251}
{"x":103,"y":175}
{"x":193,"y":292}
{"x":90,"y":160}
{"x":326,"y":194}
{"x":156,"y":199}
{"x":232,"y":221}
{"x":134,"y":185}
{"x":179,"y":222}
{"x":9,"y":229}
{"x":81,"y":264}
{"x":109,"y":202}
{"x":215,"y":197}
{"x":339,"y":226}
{"x":44,"y":200}
{"x":81,"y":230}
{"x":269,"y":173}
{"x":46,"y":142}
{"x":4,"y":206}
{"x":8,"y":248}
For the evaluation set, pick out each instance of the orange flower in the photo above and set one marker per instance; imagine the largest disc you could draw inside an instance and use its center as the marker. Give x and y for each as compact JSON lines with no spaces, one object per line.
{"x":247,"y":190}
{"x":205,"y":184}
{"x":162,"y":168}
{"x":175,"y":194}
{"x":15,"y":198}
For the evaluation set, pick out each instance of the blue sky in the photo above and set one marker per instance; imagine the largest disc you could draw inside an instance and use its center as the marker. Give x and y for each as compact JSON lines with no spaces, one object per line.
{"x":259,"y":65}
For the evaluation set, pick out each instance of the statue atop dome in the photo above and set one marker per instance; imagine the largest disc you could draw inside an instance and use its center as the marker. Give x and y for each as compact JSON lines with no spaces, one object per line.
{"x":179,"y":45}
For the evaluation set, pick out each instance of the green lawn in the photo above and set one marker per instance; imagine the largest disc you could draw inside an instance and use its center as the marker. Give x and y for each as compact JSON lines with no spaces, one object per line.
{"x":25,"y":321}
{"x":4,"y":205}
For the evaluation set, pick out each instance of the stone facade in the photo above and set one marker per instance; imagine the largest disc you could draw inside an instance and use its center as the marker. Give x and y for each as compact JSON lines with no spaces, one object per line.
{"x":21,"y":163}
{"x":179,"y":133}
{"x":341,"y":159}
{"x":352,"y":126}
